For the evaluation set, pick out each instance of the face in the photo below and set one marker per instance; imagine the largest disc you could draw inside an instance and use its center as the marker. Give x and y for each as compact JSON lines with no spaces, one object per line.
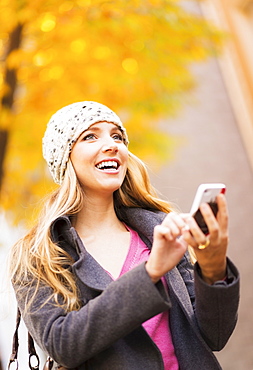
{"x":100,"y":159}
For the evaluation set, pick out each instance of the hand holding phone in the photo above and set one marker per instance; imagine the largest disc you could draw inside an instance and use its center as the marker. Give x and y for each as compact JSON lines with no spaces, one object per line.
{"x":206,"y":193}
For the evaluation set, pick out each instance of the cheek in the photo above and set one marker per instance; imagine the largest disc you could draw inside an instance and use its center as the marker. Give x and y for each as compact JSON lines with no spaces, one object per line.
{"x":125,"y":159}
{"x":72,"y":154}
{"x":77,"y":159}
{"x":72,"y":159}
{"x":125,"y":153}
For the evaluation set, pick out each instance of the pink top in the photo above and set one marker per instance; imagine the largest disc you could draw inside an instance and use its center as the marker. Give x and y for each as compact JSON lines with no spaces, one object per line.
{"x":158,"y":326}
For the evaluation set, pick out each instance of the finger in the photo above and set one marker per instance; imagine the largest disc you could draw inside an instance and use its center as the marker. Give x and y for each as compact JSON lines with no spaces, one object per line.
{"x":222,"y":215}
{"x":189,"y":239}
{"x":174,"y":217}
{"x":210,"y":220}
{"x":193,"y":234}
{"x":185,"y":217}
{"x":161,"y":232}
{"x":175,"y":222}
{"x":171,"y":224}
{"x":222,"y":218}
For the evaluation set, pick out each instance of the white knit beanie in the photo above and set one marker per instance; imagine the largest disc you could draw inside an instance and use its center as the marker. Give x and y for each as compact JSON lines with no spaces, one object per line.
{"x":65,"y":127}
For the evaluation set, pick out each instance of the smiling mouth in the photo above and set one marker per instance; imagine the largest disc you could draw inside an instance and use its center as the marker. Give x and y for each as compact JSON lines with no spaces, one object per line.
{"x":108,"y":166}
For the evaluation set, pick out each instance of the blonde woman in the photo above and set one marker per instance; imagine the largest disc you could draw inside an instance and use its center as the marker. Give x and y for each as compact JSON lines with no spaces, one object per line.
{"x":104,"y":279}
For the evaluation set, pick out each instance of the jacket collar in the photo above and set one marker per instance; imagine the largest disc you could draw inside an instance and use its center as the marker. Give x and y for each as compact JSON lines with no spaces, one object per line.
{"x":63,"y":234}
{"x":139,"y":219}
{"x":88,"y":270}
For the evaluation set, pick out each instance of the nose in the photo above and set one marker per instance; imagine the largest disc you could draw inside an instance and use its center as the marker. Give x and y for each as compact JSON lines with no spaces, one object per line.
{"x":113,"y":148}
{"x":109,"y":145}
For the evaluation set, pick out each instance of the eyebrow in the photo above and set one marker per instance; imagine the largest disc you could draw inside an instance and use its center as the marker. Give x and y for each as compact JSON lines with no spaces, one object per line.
{"x":113,"y":128}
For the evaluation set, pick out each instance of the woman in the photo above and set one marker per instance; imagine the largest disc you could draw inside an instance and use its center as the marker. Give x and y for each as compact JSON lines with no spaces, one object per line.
{"x":104,"y":280}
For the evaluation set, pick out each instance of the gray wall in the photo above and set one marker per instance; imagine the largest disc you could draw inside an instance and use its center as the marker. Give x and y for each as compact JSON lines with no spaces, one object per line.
{"x":213,"y":152}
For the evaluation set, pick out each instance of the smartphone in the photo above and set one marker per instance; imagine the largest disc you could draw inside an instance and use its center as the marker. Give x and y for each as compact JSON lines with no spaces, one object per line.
{"x":206,"y":193}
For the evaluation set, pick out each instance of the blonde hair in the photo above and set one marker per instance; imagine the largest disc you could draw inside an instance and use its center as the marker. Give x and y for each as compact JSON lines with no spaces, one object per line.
{"x":137,"y":191}
{"x":37,"y":256}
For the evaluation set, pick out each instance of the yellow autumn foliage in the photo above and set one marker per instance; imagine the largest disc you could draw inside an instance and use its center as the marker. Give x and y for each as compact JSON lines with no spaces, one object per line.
{"x":133,"y":56}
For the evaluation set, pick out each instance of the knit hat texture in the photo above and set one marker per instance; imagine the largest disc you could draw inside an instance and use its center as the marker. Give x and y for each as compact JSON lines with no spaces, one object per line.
{"x":65,"y":127}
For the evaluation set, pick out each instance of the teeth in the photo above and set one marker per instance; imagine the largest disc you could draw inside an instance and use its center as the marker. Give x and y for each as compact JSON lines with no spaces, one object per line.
{"x":107,"y":164}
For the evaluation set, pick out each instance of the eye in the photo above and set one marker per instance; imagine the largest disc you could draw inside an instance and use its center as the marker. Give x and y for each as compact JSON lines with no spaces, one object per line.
{"x":89,"y":137}
{"x":117,"y":137}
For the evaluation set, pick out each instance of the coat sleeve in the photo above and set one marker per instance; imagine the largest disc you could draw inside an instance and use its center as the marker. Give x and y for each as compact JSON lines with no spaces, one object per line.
{"x":122,"y":307}
{"x":215,"y":306}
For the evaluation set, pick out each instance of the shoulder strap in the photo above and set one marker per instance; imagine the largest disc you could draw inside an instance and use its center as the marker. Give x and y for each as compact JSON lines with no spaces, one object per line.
{"x":33,"y":356}
{"x":31,"y":348}
{"x":14,"y":354}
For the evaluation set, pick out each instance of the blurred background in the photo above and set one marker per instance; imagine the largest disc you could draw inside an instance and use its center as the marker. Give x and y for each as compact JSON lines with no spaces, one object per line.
{"x":178,"y":73}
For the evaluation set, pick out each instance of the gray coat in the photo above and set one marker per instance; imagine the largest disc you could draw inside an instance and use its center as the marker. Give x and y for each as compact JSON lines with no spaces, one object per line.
{"x":106,"y":333}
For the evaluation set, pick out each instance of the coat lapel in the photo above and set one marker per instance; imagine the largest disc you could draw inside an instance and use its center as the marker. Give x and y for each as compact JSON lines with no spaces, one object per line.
{"x":87,"y":269}
{"x":90,"y":272}
{"x":178,"y":289}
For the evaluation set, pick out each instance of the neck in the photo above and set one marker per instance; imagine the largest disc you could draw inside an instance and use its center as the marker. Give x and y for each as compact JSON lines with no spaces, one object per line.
{"x":97,"y":213}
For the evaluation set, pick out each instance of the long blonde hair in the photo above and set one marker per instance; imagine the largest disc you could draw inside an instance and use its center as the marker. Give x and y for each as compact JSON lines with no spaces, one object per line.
{"x":38,"y":256}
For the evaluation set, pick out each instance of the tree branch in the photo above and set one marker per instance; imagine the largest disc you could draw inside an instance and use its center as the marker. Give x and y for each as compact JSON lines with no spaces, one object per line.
{"x":10,"y":79}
